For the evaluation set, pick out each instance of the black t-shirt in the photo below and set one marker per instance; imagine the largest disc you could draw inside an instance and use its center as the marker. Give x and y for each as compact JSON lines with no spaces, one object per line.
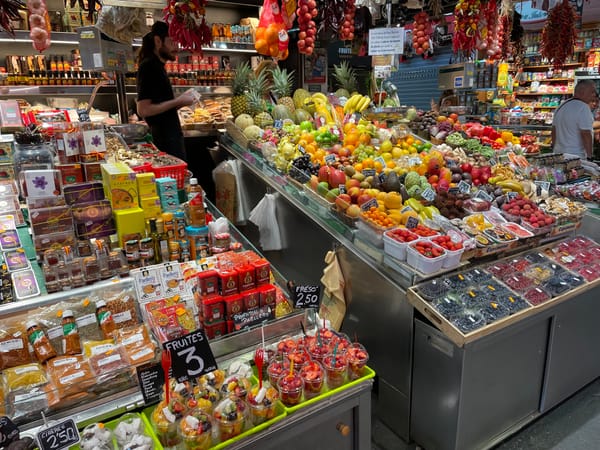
{"x":153,"y":83}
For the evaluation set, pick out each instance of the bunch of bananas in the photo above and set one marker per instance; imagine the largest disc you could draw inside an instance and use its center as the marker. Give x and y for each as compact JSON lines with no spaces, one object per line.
{"x":501,"y":173}
{"x":322,"y":107}
{"x":356,"y":103}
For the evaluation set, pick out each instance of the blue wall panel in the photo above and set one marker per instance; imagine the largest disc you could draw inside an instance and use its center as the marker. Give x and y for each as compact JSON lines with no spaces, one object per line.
{"x":417,"y":78}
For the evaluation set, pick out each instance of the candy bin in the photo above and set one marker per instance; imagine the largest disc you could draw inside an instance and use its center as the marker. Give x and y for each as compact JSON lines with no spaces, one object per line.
{"x":230,"y":416}
{"x":195,"y":430}
{"x":261,"y":401}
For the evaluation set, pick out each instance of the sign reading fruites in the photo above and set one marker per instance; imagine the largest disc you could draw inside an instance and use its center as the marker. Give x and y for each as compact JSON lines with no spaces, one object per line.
{"x":307,"y":297}
{"x":191,"y":356}
{"x":64,"y":434}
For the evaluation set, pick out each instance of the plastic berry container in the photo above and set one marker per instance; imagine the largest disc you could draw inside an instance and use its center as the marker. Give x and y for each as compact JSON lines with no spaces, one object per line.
{"x":422,"y":263}
{"x":514,"y":303}
{"x":518,"y":282}
{"x":448,"y":306}
{"x":477,"y":276}
{"x":537,"y":295}
{"x":468,"y":321}
{"x":432,"y":289}
{"x":493,"y":311}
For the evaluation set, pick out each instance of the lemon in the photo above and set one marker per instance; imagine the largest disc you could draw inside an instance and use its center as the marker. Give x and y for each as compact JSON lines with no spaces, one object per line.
{"x":386,"y":146}
{"x":396,"y":152}
{"x":386,"y":156}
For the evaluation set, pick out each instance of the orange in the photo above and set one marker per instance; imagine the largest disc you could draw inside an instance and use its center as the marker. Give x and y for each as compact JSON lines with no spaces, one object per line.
{"x":274,"y":49}
{"x":261,"y":46}
{"x":351,"y":138}
{"x":365,"y":138}
{"x":367,"y":163}
{"x":284,"y":54}
{"x":260,"y":33}
{"x":377,"y":166}
{"x":358,"y":167}
{"x":272,"y":35}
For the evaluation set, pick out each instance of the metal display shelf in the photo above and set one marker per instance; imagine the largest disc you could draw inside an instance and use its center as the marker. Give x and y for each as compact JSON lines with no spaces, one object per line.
{"x":420,"y":369}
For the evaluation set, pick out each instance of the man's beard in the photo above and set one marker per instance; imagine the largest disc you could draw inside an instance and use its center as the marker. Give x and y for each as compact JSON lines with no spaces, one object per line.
{"x":166,"y":55}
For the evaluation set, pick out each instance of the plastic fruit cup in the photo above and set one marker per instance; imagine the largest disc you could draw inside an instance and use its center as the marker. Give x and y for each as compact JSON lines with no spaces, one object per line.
{"x":166,"y":431}
{"x":230,"y":416}
{"x":357,"y":358}
{"x":196,"y":434}
{"x":299,"y":357}
{"x":318,"y":352}
{"x":326,"y":335}
{"x":342,"y":341}
{"x":313,"y":376}
{"x":262,"y":403}
{"x":335,"y":370}
{"x":277,"y":367}
{"x":286,"y":345}
{"x":290,"y":389}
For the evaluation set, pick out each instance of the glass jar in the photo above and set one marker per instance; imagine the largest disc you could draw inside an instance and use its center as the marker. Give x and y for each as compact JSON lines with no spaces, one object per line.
{"x":32,"y":157}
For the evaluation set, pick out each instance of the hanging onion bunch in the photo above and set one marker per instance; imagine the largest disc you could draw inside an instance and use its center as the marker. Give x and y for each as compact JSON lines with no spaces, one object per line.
{"x":187,"y":24}
{"x":495,"y":33}
{"x":466,"y":30}
{"x":39,"y":24}
{"x":559,"y":34}
{"x":421,"y":33}
{"x":346,"y":32}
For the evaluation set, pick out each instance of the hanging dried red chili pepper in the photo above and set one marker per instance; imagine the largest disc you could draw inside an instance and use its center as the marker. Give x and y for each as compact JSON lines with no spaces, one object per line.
{"x":559,"y":34}
{"x":466,"y":32}
{"x":187,"y":24}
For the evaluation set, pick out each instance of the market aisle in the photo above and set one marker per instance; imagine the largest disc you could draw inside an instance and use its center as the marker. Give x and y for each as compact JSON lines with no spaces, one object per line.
{"x":573,"y":425}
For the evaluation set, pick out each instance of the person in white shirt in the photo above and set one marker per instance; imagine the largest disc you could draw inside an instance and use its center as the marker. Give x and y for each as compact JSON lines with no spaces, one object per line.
{"x":572,"y":126}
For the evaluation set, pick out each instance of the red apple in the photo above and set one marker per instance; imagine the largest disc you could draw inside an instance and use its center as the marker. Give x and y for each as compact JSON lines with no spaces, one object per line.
{"x":324,"y":173}
{"x":343,"y":201}
{"x":363,"y":198}
{"x":336,"y":177}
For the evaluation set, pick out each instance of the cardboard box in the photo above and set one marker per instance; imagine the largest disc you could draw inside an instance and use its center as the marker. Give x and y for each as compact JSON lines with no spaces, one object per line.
{"x":7,"y":171}
{"x":120,"y":185}
{"x":92,"y":171}
{"x":146,"y":185}
{"x":166,"y":185}
{"x":70,"y":173}
{"x":129,"y":221}
{"x":151,"y":206}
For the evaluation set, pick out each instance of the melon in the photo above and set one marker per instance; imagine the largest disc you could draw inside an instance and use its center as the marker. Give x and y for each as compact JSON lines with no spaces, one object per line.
{"x":281,"y":112}
{"x":299,"y":96}
{"x":243,"y":121}
{"x":253,"y":132}
{"x":342,"y":93}
{"x":302,"y":115}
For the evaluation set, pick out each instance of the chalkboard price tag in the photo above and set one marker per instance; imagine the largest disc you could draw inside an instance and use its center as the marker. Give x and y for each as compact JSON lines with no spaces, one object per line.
{"x":369,"y":172}
{"x":330,"y":158}
{"x":483,"y":195}
{"x":191,"y":356}
{"x":428,"y":194}
{"x":64,"y":434}
{"x":253,"y":317}
{"x":151,"y":380}
{"x":464,"y":187}
{"x":369,"y":204}
{"x":453,"y":191}
{"x":278,"y":123}
{"x":307,"y":297}
{"x":412,"y":222}
{"x":342,"y":188}
{"x":301,"y":150}
{"x":511,"y":195}
{"x":8,"y":431}
{"x":545,"y":185}
{"x":299,"y":175}
{"x":492,"y":162}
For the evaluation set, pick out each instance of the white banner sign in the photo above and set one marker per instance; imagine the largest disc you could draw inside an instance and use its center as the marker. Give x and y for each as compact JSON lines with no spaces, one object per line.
{"x":386,"y":41}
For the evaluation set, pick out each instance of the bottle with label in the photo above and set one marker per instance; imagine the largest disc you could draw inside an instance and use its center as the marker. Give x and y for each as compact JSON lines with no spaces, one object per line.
{"x":169,"y":225}
{"x":39,"y":341}
{"x":163,"y":240}
{"x":155,"y":241}
{"x":105,"y":319}
{"x":147,"y":251}
{"x":71,"y":342}
{"x":195,"y":205}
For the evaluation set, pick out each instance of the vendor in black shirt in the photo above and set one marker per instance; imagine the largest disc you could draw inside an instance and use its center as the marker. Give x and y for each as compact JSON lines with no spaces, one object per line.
{"x":156,"y":103}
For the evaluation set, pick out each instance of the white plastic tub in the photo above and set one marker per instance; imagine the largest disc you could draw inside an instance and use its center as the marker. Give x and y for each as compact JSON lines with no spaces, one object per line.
{"x":422,"y":263}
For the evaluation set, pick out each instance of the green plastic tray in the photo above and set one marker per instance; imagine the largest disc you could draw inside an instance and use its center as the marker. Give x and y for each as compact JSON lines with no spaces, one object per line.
{"x":280,"y":414}
{"x":368,"y":373}
{"x":147,"y":429}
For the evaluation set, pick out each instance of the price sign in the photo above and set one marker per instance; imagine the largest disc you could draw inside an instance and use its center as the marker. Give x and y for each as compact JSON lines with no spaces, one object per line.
{"x":342,"y":188}
{"x":492,"y":162}
{"x":414,"y":161}
{"x":330,"y":158}
{"x":464,"y":187}
{"x":278,"y":124}
{"x":64,"y":434}
{"x":369,"y":172}
{"x":8,"y":431}
{"x":151,"y":380}
{"x":545,"y":185}
{"x":381,"y":177}
{"x":453,"y":191}
{"x":380,"y":160}
{"x":428,"y":194}
{"x":299,"y":175}
{"x":484,"y":195}
{"x":367,"y":205}
{"x":307,"y":297}
{"x":511,"y":195}
{"x":254,"y":317}
{"x":412,"y":222}
{"x":451,"y":163}
{"x":301,"y":150}
{"x":191,"y":356}
{"x":406,"y":208}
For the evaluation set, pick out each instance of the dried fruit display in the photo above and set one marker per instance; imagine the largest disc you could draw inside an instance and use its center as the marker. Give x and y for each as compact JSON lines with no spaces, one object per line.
{"x":187,"y":24}
{"x":559,"y":34}
{"x":466,"y":32}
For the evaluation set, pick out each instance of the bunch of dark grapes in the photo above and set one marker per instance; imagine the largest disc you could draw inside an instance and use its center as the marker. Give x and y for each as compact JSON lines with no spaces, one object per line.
{"x":30,"y":135}
{"x":303,"y":167}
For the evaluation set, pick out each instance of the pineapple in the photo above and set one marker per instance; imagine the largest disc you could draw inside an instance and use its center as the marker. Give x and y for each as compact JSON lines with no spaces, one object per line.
{"x":282,"y":87}
{"x":240,"y":81}
{"x":257,"y":107}
{"x":345,"y":76}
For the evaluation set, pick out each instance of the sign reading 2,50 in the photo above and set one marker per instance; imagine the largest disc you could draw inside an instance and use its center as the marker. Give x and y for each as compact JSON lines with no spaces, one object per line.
{"x":191,"y":356}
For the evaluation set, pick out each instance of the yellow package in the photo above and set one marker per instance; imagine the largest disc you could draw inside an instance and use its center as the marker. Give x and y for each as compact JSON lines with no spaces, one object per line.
{"x":26,"y":376}
{"x":92,"y":348}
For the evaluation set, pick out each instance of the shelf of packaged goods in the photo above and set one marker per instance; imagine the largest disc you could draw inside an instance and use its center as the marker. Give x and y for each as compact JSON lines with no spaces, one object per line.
{"x":20,"y":91}
{"x":549,"y":79}
{"x":544,"y":93}
{"x":547,"y":66}
{"x":541,"y":107}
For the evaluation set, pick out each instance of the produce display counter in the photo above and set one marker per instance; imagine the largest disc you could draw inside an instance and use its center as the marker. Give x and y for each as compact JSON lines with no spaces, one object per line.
{"x":408,"y":342}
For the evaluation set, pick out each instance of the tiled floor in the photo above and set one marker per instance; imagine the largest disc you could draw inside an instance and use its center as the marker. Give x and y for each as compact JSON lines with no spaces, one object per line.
{"x":572,"y":425}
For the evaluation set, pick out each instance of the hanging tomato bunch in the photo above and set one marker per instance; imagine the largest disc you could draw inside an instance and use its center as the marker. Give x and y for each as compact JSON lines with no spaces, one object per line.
{"x":466,"y":33}
{"x":187,"y":24}
{"x":559,"y":34}
{"x":306,"y":12}
{"x":347,"y":30}
{"x":421,"y":33}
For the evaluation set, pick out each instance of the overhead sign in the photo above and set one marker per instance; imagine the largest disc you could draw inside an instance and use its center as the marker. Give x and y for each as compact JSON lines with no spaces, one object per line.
{"x":386,"y":41}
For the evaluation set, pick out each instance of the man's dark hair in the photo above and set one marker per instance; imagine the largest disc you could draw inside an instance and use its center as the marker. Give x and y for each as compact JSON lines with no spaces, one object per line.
{"x":160,"y":29}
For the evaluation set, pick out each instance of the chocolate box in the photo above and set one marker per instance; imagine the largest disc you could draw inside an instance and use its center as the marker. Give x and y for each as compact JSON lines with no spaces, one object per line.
{"x":208,"y":282}
{"x":215,"y":329}
{"x":51,"y":220}
{"x":146,"y":183}
{"x":92,"y":171}
{"x":228,"y":282}
{"x":268,"y":295}
{"x":70,"y":173}
{"x":251,"y":299}
{"x":246,"y":277}
{"x":83,"y":192}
